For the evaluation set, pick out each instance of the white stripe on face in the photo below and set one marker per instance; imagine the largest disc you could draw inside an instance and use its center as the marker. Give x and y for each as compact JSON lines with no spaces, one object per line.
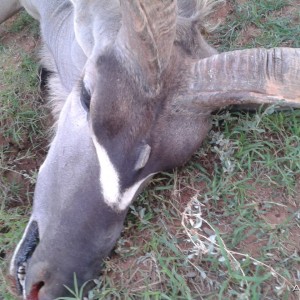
{"x":109,"y":177}
{"x":129,"y":193}
{"x":109,"y":181}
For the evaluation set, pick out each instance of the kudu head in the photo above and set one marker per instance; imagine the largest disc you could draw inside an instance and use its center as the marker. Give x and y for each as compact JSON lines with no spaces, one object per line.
{"x":143,"y":105}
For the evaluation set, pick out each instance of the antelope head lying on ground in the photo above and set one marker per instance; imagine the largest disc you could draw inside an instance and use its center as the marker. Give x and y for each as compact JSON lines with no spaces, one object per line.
{"x":133,"y":85}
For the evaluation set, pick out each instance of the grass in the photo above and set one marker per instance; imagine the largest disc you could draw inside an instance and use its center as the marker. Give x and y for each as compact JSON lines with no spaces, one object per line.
{"x":21,"y":134}
{"x":262,"y":23}
{"x":225,"y":226}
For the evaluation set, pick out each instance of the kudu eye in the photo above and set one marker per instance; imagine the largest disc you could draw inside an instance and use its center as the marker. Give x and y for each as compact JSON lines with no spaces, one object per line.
{"x":85,"y":97}
{"x":143,"y":157}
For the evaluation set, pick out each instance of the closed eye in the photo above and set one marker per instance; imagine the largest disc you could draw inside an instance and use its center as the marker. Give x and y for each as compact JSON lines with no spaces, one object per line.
{"x":85,"y":97}
{"x":143,"y":157}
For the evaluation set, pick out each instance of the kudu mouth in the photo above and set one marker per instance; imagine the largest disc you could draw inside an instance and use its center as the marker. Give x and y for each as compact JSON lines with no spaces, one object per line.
{"x":26,"y":249}
{"x":34,"y":293}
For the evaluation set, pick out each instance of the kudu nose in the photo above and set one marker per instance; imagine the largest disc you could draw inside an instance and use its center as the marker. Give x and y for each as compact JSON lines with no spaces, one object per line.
{"x":42,"y":284}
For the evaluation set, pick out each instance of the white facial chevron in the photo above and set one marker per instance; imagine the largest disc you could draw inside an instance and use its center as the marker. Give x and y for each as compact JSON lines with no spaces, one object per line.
{"x":109,"y":177}
{"x":110,"y":183}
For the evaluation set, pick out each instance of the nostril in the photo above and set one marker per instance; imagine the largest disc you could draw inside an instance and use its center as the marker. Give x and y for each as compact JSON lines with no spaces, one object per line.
{"x":34,"y":293}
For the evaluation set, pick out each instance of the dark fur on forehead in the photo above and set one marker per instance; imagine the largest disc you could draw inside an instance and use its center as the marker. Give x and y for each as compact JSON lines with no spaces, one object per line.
{"x":118,"y":105}
{"x":124,"y":119}
{"x":121,"y":116}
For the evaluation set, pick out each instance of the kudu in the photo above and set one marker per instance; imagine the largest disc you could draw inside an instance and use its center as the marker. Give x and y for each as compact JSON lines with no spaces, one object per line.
{"x":133,"y":85}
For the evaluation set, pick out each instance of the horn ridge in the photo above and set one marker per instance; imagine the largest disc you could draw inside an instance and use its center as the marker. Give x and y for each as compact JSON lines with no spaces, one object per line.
{"x":251,"y":76}
{"x":145,"y":40}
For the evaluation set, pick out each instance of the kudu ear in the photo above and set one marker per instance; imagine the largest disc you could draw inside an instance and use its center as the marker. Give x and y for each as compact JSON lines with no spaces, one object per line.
{"x":243,"y":77}
{"x":145,"y":40}
{"x":83,"y":24}
{"x":94,"y":26}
